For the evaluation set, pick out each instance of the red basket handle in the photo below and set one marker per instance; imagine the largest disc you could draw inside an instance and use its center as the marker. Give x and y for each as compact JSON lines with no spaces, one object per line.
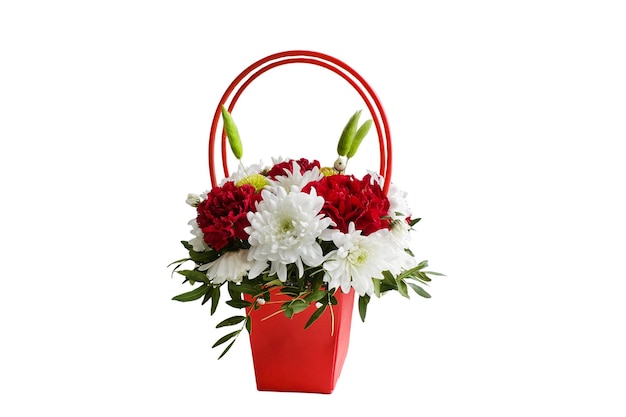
{"x":366,"y":92}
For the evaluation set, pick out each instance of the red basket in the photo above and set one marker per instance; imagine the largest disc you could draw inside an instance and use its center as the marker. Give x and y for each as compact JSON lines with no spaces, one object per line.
{"x":286,"y":356}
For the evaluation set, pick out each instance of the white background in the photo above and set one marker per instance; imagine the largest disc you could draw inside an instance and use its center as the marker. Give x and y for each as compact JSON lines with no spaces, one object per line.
{"x":508,"y":120}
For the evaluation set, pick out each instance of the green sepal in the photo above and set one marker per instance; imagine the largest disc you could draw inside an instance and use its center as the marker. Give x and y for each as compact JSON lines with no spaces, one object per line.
{"x":413,"y":222}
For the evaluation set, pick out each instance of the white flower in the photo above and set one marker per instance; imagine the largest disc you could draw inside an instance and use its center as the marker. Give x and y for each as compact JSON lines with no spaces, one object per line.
{"x":358,"y":259}
{"x":401,"y":232}
{"x":193,"y":200}
{"x":230,"y":266}
{"x":198,"y":244}
{"x":295,"y":180}
{"x":243,"y":172}
{"x":284,"y":230}
{"x":398,"y":204}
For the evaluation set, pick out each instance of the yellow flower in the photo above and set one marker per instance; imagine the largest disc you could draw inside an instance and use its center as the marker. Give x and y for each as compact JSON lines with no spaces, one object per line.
{"x":328,"y":171}
{"x":258,"y":181}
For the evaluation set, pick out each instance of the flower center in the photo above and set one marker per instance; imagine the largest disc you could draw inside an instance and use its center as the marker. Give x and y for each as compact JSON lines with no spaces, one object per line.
{"x":357,"y":256}
{"x":285,"y":227}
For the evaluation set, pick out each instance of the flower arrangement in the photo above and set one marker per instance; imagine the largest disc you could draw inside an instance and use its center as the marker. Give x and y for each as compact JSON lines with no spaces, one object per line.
{"x":304,"y":229}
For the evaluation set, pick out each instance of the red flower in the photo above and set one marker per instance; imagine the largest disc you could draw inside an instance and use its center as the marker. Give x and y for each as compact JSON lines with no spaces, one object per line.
{"x":222,"y":215}
{"x":279,"y":169}
{"x":348,"y":199}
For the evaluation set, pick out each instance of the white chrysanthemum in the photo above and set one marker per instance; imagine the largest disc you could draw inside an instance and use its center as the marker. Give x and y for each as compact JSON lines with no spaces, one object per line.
{"x":401,"y":232}
{"x":399,"y":239}
{"x":243,"y":172}
{"x":230,"y":266}
{"x":358,"y":259}
{"x":284,"y":230}
{"x":295,"y":180}
{"x":398,"y":204}
{"x":197,"y":243}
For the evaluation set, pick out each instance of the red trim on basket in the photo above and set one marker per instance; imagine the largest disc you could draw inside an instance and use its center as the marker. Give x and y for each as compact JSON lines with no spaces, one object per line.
{"x":306,"y":57}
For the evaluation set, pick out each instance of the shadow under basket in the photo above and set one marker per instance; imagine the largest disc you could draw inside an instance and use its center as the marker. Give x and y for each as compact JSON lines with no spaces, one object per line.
{"x":289,"y":358}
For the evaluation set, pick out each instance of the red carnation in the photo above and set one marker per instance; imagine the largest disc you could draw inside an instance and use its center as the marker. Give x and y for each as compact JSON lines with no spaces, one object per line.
{"x":279,"y":169}
{"x":348,"y":199}
{"x":222,"y":215}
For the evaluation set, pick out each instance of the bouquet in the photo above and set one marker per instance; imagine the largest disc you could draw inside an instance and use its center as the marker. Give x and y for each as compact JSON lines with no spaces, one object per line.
{"x":305,"y":229}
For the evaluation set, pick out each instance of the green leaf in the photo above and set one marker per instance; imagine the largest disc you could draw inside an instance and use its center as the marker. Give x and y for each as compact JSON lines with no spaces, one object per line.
{"x":347,"y":135}
{"x":231,"y":321}
{"x":316,"y":315}
{"x":363,"y":301}
{"x":208,"y":295}
{"x":226,"y":338}
{"x":247,"y":288}
{"x":419,"y":290}
{"x":389,"y":279}
{"x":239,"y":303}
{"x":195,"y":276}
{"x":233,"y":291}
{"x":248,"y":324}
{"x":193,"y":294}
{"x":376,"y":283}
{"x":333,"y":300}
{"x":358,"y":138}
{"x":299,"y":305}
{"x":292,"y":291}
{"x":288,"y":312}
{"x":232,"y":133}
{"x":178,"y":262}
{"x":402,"y":288}
{"x":434,"y":273}
{"x":227,"y":349}
{"x":203,"y":257}
{"x":215,"y":299}
{"x":315,"y":296}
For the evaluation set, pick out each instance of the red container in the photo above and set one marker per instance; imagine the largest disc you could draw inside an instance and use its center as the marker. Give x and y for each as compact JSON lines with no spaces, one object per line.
{"x":288,"y":357}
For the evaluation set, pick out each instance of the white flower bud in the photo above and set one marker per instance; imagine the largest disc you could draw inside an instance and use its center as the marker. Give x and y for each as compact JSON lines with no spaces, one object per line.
{"x":340,"y":164}
{"x":261,"y":301}
{"x":193,"y":200}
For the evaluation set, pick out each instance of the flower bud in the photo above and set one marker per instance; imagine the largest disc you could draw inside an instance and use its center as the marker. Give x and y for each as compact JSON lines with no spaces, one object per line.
{"x":340,"y":164}
{"x":261,"y":301}
{"x":193,"y":200}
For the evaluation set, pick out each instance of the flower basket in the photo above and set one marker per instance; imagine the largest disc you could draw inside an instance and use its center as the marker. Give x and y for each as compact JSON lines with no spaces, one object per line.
{"x":294,"y":242}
